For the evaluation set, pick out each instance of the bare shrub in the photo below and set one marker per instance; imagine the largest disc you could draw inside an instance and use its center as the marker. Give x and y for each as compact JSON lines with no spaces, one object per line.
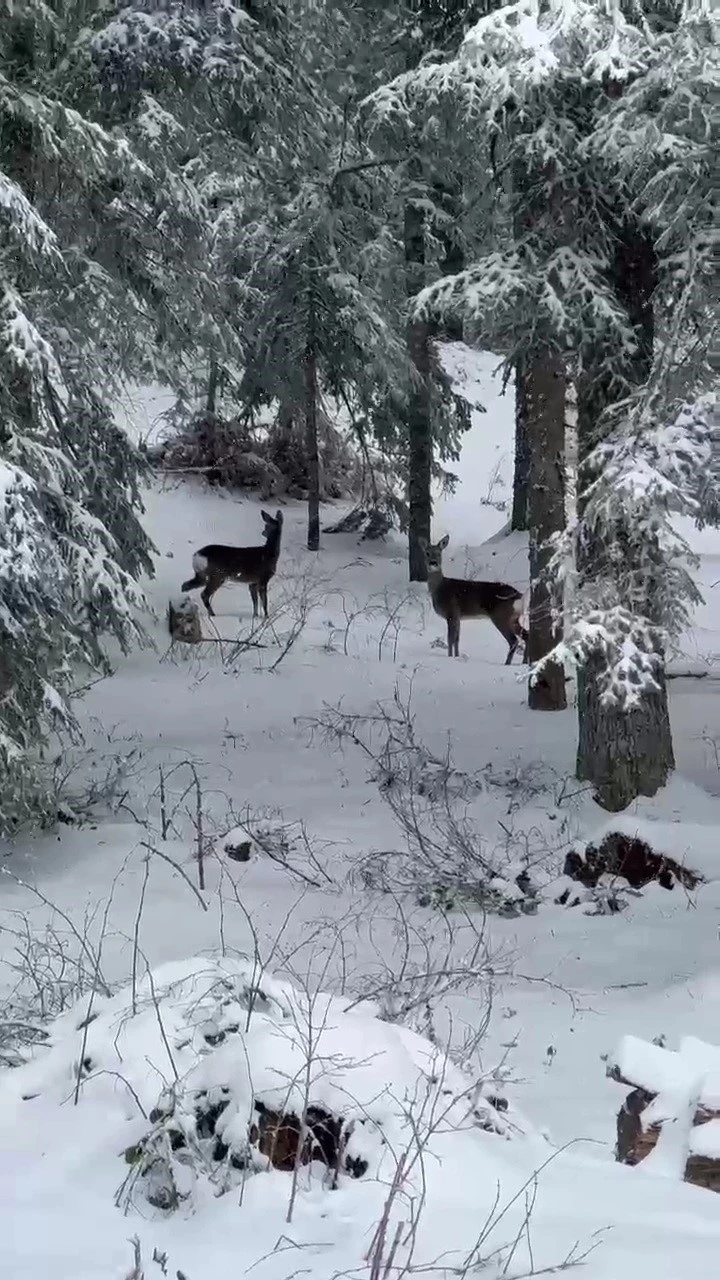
{"x":446,"y":862}
{"x":47,"y":969}
{"x":89,"y":781}
{"x":266,"y":833}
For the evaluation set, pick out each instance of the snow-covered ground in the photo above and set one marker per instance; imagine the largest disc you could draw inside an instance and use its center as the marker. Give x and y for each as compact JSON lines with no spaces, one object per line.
{"x":183,"y":747}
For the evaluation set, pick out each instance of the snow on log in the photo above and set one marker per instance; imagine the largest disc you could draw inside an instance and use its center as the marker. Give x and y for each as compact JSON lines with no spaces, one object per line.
{"x":670,"y":1122}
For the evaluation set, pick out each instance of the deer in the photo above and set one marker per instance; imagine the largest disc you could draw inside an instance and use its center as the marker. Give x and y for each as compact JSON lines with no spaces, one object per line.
{"x":458,"y":598}
{"x":215,"y":565}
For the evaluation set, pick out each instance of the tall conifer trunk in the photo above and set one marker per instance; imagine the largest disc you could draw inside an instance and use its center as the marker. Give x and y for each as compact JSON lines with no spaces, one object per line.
{"x":420,"y":440}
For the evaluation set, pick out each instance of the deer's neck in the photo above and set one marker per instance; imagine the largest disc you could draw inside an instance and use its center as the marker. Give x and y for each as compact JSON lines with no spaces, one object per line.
{"x":272,"y":546}
{"x":434,"y":579}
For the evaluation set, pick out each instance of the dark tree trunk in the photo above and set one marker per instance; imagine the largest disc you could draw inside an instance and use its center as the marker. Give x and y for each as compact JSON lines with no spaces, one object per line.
{"x":213,"y":379}
{"x":311,"y":442}
{"x":623,"y":753}
{"x":540,"y":451}
{"x":543,"y":394}
{"x":518,"y":520}
{"x":420,"y":441}
{"x":449,"y":197}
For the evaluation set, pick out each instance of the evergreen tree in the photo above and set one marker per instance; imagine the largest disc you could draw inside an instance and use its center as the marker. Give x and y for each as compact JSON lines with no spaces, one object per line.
{"x":654,"y":458}
{"x":558,"y":89}
{"x":437,"y":223}
{"x":71,"y":547}
{"x":124,"y":133}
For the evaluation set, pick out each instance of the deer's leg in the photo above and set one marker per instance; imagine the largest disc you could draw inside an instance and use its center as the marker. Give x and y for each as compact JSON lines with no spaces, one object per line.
{"x":193,"y":583}
{"x":263,"y":597}
{"x":513,"y":643}
{"x":507,"y":631}
{"x":212,"y":583}
{"x":254,"y":597}
{"x":454,"y":637}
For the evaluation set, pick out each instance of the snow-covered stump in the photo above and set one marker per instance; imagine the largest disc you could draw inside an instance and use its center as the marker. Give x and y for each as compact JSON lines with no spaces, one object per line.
{"x":670,"y":1121}
{"x":183,"y":618}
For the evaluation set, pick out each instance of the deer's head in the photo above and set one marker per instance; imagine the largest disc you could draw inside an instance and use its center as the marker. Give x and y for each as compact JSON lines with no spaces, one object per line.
{"x":272,"y":524}
{"x":433,"y":552}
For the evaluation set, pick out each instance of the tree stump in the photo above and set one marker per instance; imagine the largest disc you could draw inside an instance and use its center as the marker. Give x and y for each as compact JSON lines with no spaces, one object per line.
{"x":183,"y":618}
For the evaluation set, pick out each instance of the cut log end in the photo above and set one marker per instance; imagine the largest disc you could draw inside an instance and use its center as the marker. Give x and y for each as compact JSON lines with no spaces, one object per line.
{"x":183,"y":619}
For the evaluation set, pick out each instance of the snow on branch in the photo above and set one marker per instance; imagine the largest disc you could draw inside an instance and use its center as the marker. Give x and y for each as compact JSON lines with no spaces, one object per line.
{"x":66,"y":137}
{"x":565,"y":293}
{"x":219,"y":41}
{"x":643,"y":475}
{"x":23,"y":344}
{"x":25,"y":222}
{"x":653,"y":469}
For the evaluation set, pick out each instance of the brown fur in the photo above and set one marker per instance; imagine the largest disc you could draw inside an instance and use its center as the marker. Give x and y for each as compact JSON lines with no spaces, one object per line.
{"x":253,"y":565}
{"x":456,"y":598}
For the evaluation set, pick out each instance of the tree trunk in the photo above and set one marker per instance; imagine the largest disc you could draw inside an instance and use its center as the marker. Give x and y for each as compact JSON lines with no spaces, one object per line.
{"x":518,"y":519}
{"x":449,"y":197}
{"x":311,"y":444}
{"x":623,"y":753}
{"x":543,"y":393}
{"x":420,"y":442}
{"x":212,"y":388}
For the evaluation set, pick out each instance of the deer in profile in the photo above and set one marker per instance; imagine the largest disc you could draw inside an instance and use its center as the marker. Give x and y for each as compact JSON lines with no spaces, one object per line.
{"x":215,"y":565}
{"x":456,"y":598}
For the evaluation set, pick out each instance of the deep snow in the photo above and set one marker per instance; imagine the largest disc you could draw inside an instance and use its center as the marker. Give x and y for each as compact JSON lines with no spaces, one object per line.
{"x":562,"y":986}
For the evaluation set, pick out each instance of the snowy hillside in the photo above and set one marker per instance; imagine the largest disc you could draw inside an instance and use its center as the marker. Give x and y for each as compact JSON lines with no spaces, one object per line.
{"x":335,"y":769}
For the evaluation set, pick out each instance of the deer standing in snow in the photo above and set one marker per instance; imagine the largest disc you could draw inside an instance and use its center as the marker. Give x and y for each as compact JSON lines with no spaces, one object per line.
{"x":458,"y":598}
{"x":215,"y":565}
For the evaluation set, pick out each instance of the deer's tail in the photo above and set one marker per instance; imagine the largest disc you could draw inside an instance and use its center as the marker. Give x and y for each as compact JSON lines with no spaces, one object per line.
{"x":200,"y":565}
{"x":521,"y":606}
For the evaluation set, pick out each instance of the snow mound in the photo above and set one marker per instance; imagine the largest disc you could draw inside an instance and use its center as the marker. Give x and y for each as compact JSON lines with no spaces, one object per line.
{"x":207,"y":1049}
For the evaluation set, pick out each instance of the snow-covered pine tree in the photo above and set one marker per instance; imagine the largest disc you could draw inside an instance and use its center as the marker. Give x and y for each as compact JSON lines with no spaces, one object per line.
{"x":71,"y":547}
{"x":199,"y":90}
{"x":538,"y":293}
{"x":313,"y":257}
{"x":543,"y":80}
{"x":430,"y":175}
{"x":656,"y":457}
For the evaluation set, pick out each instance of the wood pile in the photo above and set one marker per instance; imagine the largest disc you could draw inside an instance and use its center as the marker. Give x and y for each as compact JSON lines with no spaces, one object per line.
{"x":671,"y":1118}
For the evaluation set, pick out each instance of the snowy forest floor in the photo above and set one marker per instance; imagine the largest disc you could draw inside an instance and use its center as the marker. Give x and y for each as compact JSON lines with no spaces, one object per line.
{"x":234,"y":734}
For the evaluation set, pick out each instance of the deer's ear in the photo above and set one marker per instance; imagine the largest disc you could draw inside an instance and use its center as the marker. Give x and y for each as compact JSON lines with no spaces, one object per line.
{"x":268,"y":519}
{"x":443,"y":542}
{"x":278,"y":517}
{"x":423,"y":543}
